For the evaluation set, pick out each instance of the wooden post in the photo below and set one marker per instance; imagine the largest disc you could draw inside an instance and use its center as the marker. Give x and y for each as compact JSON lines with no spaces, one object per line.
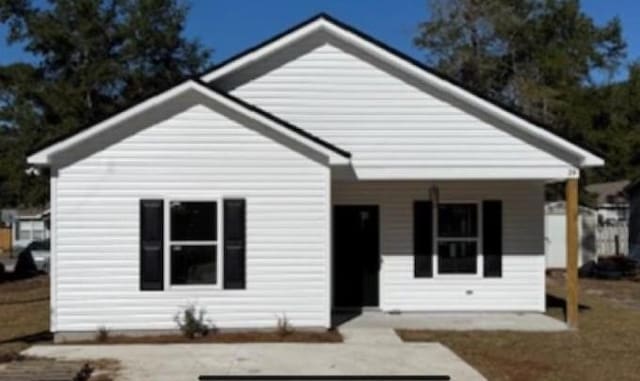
{"x":571,"y":190}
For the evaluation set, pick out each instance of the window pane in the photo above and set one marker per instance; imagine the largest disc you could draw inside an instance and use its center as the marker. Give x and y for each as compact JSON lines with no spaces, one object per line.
{"x":457,"y":220}
{"x":193,"y":221}
{"x":193,"y":264}
{"x":24,"y":234}
{"x":457,"y":257}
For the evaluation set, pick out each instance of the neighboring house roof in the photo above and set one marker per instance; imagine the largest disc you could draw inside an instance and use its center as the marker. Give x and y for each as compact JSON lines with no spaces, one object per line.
{"x":7,"y":216}
{"x":326,"y":24}
{"x":612,"y":192}
{"x":559,"y":207}
{"x":33,"y":213}
{"x":43,"y":156}
{"x":632,"y":187}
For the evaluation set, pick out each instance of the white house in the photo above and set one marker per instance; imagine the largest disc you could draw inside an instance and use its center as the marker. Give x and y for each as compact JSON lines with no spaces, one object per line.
{"x":27,"y":225}
{"x":320,"y":169}
{"x":555,"y":226}
{"x":612,"y":202}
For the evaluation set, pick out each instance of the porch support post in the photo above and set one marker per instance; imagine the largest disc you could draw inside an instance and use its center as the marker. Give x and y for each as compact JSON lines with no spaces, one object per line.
{"x":571,"y":190}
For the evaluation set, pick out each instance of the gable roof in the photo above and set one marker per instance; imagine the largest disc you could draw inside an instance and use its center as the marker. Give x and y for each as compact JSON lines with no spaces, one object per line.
{"x":609,"y":192}
{"x":43,"y":156}
{"x":410,"y":66}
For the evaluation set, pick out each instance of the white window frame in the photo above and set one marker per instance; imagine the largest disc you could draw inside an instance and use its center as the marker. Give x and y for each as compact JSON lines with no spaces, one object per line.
{"x":168,"y":242}
{"x":437,"y":239}
{"x":38,"y":234}
{"x":24,"y":234}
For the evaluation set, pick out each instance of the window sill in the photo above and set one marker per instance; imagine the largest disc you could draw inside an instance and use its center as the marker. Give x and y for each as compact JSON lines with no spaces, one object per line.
{"x":456,"y":276}
{"x":193,"y":287}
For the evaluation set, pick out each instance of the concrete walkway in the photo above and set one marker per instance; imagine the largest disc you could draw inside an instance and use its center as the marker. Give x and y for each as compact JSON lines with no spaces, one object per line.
{"x":374,"y":335}
{"x":467,"y":321}
{"x":357,"y":355}
{"x":371,"y":347}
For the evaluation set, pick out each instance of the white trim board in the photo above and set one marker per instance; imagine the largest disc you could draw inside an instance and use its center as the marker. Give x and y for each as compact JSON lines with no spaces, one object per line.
{"x":551,"y":174}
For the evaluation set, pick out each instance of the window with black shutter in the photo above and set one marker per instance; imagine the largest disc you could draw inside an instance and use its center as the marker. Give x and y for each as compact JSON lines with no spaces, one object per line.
{"x":457,"y":238}
{"x":195,"y":246}
{"x":234,"y":243}
{"x":193,"y":242}
{"x":151,"y":245}
{"x":422,"y":239}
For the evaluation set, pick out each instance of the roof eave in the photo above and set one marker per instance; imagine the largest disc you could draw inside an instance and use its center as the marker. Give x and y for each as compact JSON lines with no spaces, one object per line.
{"x":592,"y":161}
{"x":335,"y":154}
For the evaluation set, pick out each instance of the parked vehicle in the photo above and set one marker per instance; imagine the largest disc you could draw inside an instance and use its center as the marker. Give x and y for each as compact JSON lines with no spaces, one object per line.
{"x":41,"y":253}
{"x":611,"y":267}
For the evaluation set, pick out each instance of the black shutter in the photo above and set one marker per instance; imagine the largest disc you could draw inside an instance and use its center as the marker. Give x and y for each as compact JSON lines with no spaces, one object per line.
{"x":422,"y":239}
{"x":151,"y":244}
{"x":492,"y":237}
{"x":234,"y":244}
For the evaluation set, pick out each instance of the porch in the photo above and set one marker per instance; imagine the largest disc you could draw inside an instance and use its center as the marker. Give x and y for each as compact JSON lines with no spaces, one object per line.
{"x":451,"y":321}
{"x":440,"y":247}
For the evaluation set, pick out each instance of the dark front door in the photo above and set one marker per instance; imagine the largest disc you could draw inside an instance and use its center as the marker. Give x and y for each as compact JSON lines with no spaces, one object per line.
{"x":356,"y":256}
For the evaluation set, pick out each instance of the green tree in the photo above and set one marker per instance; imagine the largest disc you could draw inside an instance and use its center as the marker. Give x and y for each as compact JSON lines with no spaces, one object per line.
{"x":530,"y":54}
{"x":541,"y":57}
{"x":91,"y":58}
{"x":610,"y":116}
{"x":463,"y":38}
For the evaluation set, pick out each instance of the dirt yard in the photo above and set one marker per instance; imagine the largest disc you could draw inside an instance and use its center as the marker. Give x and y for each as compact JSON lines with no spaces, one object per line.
{"x":606,"y":346}
{"x":24,"y":315}
{"x":294,"y":336}
{"x":24,"y":321}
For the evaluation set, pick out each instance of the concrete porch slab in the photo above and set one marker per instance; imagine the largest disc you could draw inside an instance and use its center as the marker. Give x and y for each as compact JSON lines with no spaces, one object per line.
{"x":468,"y":321}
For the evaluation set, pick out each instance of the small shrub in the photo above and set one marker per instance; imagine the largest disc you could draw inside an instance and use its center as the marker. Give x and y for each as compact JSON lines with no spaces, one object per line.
{"x":102,"y":335}
{"x":192,"y":322}
{"x":284,"y":327}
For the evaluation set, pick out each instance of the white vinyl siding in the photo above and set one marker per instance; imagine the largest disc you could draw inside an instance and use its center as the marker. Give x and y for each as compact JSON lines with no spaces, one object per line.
{"x":390,"y":126}
{"x":194,"y":154}
{"x":521,"y":287}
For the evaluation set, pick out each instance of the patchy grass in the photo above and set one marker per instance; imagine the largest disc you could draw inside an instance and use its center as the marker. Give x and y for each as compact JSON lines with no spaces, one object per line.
{"x":104,"y":369}
{"x":330,"y":336}
{"x":24,"y":315}
{"x":37,"y":368}
{"x":623,"y":293}
{"x":606,"y":346}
